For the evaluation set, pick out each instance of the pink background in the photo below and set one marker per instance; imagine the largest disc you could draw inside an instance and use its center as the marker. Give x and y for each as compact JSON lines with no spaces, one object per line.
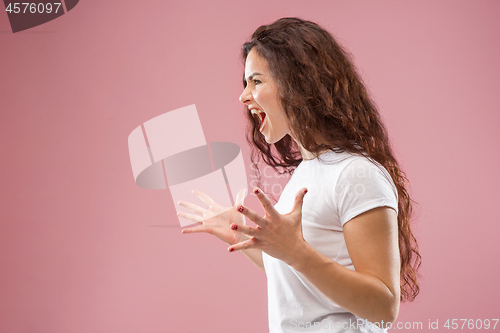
{"x":78,"y":252}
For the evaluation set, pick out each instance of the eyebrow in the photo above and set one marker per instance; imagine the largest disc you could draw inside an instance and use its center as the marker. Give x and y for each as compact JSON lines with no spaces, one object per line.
{"x":252,"y":76}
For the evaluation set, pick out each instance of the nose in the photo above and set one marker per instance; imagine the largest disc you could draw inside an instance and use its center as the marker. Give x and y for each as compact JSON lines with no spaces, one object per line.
{"x":245,"y":96}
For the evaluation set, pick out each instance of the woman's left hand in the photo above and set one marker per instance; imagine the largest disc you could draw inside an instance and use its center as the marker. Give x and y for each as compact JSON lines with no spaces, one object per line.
{"x":278,"y":235}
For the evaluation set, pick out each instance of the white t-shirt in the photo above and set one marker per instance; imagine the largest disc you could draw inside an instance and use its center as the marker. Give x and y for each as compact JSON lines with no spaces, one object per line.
{"x":340,"y":187}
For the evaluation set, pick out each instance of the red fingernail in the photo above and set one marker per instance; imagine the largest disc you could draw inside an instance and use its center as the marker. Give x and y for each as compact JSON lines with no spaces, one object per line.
{"x":231,"y":250}
{"x":305,"y":191}
{"x":240,"y":209}
{"x":256,"y":191}
{"x":234,"y":227}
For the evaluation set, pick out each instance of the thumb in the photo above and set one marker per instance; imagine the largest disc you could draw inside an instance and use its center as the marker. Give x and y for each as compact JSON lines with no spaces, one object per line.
{"x":299,"y":200}
{"x":240,"y":197}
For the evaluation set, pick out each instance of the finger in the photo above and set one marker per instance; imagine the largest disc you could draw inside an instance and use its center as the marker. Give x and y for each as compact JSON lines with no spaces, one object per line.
{"x":245,"y":229}
{"x":199,"y":228}
{"x":252,"y":216}
{"x":240,"y":197}
{"x":190,"y":217}
{"x":299,"y":200}
{"x":248,"y":244}
{"x":193,"y":207}
{"x":266,"y":203}
{"x":203,"y":197}
{"x":209,"y":229}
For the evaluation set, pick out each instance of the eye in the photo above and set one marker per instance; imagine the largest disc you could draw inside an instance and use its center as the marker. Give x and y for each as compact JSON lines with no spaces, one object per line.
{"x":256,"y":82}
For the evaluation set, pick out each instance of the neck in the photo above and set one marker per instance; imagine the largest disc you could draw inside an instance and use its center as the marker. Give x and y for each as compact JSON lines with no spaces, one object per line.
{"x":306,"y":154}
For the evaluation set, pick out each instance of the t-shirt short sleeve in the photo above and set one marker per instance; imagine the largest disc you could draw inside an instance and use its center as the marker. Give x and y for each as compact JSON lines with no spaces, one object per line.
{"x":363,"y":185}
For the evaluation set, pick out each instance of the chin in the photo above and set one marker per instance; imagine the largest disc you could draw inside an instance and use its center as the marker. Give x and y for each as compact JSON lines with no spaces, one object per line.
{"x":269,"y":139}
{"x":272,"y":140}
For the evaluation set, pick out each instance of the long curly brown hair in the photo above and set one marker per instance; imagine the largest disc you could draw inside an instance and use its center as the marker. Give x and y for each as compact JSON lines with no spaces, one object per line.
{"x":321,"y":92}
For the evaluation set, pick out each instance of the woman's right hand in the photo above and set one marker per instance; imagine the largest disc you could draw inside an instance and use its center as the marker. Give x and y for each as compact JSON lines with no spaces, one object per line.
{"x":216,"y":219}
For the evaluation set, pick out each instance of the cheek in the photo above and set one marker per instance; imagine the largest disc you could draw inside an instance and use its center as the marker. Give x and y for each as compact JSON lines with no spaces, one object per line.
{"x":260,"y":98}
{"x":264,"y":98}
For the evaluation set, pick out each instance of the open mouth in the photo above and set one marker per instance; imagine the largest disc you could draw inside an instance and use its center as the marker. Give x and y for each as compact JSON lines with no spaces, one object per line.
{"x":262,"y":118}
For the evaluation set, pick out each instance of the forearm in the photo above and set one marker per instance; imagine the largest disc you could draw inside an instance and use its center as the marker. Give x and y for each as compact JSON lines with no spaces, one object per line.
{"x":252,"y":253}
{"x":255,"y":256}
{"x":362,"y":294}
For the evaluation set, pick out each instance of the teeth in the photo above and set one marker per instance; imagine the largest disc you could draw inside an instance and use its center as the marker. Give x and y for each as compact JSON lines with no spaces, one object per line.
{"x":255,"y":111}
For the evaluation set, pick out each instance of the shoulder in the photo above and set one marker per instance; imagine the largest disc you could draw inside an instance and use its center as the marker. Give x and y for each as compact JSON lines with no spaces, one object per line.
{"x":363,"y":170}
{"x":363,"y":184}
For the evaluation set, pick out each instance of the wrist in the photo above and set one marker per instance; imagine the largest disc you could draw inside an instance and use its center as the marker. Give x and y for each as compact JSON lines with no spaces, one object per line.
{"x":302,"y":256}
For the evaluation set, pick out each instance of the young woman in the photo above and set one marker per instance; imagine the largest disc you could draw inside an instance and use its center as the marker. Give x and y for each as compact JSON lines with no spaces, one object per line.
{"x":342,"y":257}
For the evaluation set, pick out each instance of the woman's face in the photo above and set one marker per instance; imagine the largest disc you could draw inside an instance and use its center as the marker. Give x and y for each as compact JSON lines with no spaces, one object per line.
{"x":261,"y":98}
